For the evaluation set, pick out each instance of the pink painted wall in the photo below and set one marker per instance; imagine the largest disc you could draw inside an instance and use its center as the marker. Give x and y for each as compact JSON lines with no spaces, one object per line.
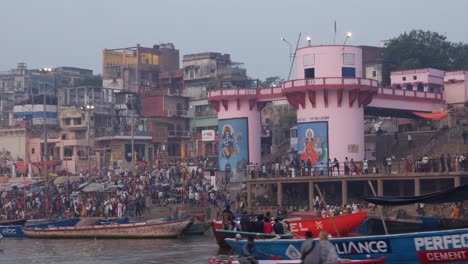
{"x":426,"y":106}
{"x":456,"y":87}
{"x":345,"y":124}
{"x":328,"y":60}
{"x":422,"y":76}
{"x":254,"y":123}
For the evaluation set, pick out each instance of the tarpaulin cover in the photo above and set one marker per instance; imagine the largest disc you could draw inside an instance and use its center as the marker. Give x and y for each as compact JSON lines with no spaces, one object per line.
{"x":438,"y":115}
{"x":457,"y":194}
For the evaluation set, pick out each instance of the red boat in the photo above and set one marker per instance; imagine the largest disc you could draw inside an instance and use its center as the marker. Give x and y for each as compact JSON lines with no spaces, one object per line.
{"x":341,"y":261}
{"x":20,"y":222}
{"x":335,"y":226}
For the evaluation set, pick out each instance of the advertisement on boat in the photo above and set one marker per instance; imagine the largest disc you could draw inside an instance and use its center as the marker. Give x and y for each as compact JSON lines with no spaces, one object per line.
{"x":313,"y":143}
{"x":442,"y":249}
{"x":233,"y":154}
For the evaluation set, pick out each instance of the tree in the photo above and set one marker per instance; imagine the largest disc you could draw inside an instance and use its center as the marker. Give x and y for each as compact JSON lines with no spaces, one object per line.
{"x":423,"y":49}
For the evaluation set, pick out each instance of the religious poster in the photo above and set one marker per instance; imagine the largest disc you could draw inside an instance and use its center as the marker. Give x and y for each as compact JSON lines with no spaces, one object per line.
{"x":313,"y":143}
{"x":233,"y":154}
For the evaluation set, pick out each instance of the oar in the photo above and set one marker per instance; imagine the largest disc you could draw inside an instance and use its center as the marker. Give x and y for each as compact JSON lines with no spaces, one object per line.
{"x":379,"y":209}
{"x":331,"y":215}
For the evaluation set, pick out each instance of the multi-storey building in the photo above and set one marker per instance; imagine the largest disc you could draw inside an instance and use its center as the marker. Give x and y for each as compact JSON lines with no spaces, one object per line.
{"x":204,"y":72}
{"x":150,"y":103}
{"x":30,"y":104}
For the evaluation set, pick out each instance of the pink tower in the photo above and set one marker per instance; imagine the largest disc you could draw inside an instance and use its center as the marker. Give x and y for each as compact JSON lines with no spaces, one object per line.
{"x":330,"y":95}
{"x":239,"y":128}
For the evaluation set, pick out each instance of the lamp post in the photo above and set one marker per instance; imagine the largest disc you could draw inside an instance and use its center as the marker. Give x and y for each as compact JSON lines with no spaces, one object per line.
{"x":290,"y":48}
{"x":88,"y":109}
{"x":45,"y":71}
{"x":133,"y":145}
{"x":348,"y":36}
{"x":309,"y":39}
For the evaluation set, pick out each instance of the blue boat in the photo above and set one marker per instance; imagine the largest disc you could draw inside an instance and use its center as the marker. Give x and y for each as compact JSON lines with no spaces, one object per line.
{"x":17,"y":231}
{"x":12,"y":231}
{"x":447,"y":246}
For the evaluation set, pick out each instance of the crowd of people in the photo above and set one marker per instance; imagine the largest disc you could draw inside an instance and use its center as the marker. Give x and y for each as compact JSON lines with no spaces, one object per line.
{"x":118,"y":193}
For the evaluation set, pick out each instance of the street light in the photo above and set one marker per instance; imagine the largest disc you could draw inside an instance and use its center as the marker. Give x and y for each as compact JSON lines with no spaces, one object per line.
{"x":309,"y":39}
{"x":348,"y":36}
{"x":88,"y":109}
{"x":44,"y":71}
{"x":290,"y":48}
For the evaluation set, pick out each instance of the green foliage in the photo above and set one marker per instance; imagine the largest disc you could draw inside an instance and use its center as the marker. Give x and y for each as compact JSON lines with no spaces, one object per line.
{"x":95,"y":80}
{"x":423,"y":49}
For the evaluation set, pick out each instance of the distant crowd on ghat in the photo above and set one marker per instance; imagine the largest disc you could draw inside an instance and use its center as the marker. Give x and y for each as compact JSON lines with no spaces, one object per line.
{"x":118,"y":195}
{"x":290,"y":165}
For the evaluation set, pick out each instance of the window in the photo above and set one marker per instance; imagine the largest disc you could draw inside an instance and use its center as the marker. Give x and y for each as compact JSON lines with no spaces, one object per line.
{"x":76,"y":121}
{"x":398,"y":87}
{"x":348,"y":58}
{"x":415,"y":77}
{"x":420,"y":87}
{"x":68,"y":152}
{"x":67,"y":121}
{"x":348,"y":72}
{"x":33,"y":150}
{"x":374,"y":73}
{"x":409,"y":87}
{"x":309,"y":60}
{"x":309,"y":73}
{"x":403,"y":78}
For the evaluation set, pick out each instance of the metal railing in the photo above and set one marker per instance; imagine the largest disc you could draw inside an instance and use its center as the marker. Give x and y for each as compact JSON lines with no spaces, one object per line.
{"x":177,"y":133}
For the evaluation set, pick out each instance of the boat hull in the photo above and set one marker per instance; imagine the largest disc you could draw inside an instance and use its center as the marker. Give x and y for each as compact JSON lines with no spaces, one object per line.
{"x":19,"y":222}
{"x":364,"y":261}
{"x":131,"y":230}
{"x":17,"y":231}
{"x":11,"y":231}
{"x":221,"y":235}
{"x":451,"y":246}
{"x":197,"y":228}
{"x":344,"y":224}
{"x":398,"y":226}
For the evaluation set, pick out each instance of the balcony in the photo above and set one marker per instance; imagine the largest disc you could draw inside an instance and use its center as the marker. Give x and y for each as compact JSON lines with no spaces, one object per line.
{"x":164,"y":92}
{"x":174,"y":112}
{"x":178,"y":134}
{"x":103,"y":135}
{"x":205,"y":114}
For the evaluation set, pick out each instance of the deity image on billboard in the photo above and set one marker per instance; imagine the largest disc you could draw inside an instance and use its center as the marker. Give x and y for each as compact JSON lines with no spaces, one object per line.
{"x":313,"y":142}
{"x":233,"y":145}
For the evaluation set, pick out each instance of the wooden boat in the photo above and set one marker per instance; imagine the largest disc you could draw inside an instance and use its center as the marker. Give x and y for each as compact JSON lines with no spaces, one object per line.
{"x":342,"y":224}
{"x":342,"y":261}
{"x":197,"y":228}
{"x":129,"y":230}
{"x":19,"y":222}
{"x":221,"y":234}
{"x":17,"y":231}
{"x":447,"y":246}
{"x":394,"y":226}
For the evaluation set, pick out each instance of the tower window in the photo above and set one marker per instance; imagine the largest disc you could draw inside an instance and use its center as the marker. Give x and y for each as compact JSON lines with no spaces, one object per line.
{"x":309,"y":73}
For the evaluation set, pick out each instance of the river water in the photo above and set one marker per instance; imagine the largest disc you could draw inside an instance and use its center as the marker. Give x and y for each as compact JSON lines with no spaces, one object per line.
{"x":195,"y":249}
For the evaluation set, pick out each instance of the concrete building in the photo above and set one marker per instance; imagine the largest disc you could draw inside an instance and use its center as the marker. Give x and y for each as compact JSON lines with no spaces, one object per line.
{"x":150,"y":103}
{"x":204,"y":72}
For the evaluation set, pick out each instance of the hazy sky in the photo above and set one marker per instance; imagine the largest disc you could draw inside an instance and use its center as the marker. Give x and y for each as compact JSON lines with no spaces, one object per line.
{"x":74,"y":33}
